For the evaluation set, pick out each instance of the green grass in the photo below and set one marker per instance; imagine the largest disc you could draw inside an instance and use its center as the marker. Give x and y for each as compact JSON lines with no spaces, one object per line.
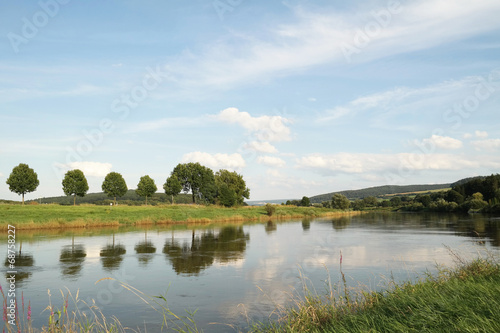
{"x":56,"y":216}
{"x":464,"y":299}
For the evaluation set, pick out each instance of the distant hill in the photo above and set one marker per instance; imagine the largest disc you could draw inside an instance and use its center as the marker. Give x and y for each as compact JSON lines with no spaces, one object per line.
{"x":102,"y":199}
{"x":379,"y":191}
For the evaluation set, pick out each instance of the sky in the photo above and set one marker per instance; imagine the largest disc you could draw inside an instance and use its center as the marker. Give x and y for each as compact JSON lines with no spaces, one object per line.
{"x":300,"y":97}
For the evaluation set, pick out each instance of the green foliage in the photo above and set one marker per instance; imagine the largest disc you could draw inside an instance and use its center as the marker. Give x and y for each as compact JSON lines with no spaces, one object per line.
{"x":198,"y":179}
{"x":454,"y":196}
{"x":425,"y":200}
{"x":172,"y":186}
{"x":370,"y":201}
{"x":146,"y":187}
{"x":358,"y":204}
{"x":226,"y":195}
{"x":75,"y":183}
{"x":114,"y":185}
{"x":270,"y":209}
{"x":231,"y":182}
{"x":395,"y":201}
{"x":305,"y":202}
{"x":379,"y":191}
{"x":340,"y":201}
{"x":22,"y":180}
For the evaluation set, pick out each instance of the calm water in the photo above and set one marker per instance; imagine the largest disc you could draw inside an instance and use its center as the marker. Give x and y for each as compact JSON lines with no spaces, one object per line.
{"x":227,"y":271}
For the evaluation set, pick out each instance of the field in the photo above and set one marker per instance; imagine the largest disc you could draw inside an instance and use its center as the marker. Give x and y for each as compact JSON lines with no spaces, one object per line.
{"x":57,"y":216}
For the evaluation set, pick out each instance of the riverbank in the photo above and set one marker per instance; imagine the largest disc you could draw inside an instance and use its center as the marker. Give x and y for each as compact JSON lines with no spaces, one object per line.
{"x":463,"y":299}
{"x":84,"y":216}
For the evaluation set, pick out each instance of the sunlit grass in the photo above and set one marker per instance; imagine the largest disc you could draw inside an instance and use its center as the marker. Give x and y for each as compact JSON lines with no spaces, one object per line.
{"x":84,"y":216}
{"x":461,"y":299}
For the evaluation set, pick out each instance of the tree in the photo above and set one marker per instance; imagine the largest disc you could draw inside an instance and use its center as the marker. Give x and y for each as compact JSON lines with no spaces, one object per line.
{"x":370,"y":201}
{"x":305,"y":202}
{"x":172,"y":186}
{"x":75,"y":183}
{"x":198,"y":179}
{"x":231,"y":182}
{"x":22,"y":180}
{"x":114,"y":185}
{"x":226,"y":195}
{"x":424,"y":199}
{"x":395,"y":201}
{"x":454,"y":196}
{"x":146,"y":187}
{"x":340,"y":201}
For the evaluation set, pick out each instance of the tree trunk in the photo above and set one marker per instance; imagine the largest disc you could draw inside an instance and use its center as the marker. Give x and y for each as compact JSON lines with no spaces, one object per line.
{"x":23,"y":198}
{"x":114,"y":203}
{"x":194,"y":198}
{"x":146,"y":200}
{"x":172,"y":199}
{"x":74,"y":200}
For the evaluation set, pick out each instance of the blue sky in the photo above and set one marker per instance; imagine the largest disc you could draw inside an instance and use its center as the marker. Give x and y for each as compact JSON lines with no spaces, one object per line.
{"x":300,"y":97}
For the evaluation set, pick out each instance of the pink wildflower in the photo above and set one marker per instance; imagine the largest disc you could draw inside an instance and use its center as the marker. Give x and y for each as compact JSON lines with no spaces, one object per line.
{"x":29,"y":310}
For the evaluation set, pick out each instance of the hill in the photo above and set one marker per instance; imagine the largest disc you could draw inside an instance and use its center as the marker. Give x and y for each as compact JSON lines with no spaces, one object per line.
{"x":102,"y":199}
{"x":379,"y":191}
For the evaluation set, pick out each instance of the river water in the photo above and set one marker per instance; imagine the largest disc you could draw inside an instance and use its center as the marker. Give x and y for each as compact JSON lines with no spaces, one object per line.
{"x":234,"y":274}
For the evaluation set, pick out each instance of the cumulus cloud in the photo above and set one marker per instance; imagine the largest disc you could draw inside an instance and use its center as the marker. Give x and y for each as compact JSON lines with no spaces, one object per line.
{"x":488,"y":145}
{"x":481,"y":134}
{"x":352,"y":163}
{"x":442,"y":142}
{"x":261,"y":147}
{"x":216,"y":161}
{"x":91,"y":169}
{"x":271,"y":161}
{"x":265,"y":128}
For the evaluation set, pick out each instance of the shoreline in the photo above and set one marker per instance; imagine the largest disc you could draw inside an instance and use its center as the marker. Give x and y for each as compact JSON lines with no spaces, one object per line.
{"x":39,"y":217}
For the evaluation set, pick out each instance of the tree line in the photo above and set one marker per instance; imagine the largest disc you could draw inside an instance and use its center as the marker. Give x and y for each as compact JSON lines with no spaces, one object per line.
{"x":206,"y":187}
{"x":476,"y":194}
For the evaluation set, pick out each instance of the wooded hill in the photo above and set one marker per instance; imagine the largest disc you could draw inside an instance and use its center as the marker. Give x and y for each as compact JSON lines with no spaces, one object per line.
{"x":380,"y":191}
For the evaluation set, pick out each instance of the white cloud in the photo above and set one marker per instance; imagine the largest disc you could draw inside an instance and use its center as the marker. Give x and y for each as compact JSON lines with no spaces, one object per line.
{"x":1,"y":175}
{"x":467,"y":136}
{"x":488,"y":145}
{"x":265,"y":128}
{"x":216,"y":161}
{"x":261,"y":147}
{"x":90,"y":169}
{"x":352,"y":163}
{"x":271,"y":161}
{"x":442,"y":142}
{"x":481,"y":134}
{"x":315,"y":38}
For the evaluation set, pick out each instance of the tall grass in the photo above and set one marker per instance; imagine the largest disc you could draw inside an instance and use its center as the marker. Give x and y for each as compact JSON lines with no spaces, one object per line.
{"x":465,"y":298}
{"x":84,"y":216}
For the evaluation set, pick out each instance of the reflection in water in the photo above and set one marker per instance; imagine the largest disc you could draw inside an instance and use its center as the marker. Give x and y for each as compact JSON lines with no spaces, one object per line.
{"x":112,"y":256}
{"x":191,"y":258}
{"x":22,"y":263}
{"x":271,"y":227}
{"x":306,"y":224}
{"x":71,"y":259}
{"x":145,"y":250}
{"x":341,"y":223}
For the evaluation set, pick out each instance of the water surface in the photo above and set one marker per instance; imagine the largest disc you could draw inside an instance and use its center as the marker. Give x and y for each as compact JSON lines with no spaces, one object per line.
{"x":235,"y":273}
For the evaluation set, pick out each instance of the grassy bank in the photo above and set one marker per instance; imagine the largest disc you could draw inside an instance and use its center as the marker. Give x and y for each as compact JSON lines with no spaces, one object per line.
{"x":56,"y":216}
{"x":464,"y":299}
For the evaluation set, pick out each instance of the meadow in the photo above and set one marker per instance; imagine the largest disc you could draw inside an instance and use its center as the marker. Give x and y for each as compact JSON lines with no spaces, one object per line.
{"x":53,"y":216}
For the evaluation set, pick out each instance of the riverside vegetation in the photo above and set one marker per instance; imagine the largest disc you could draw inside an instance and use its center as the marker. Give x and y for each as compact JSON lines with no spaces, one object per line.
{"x":465,"y":298}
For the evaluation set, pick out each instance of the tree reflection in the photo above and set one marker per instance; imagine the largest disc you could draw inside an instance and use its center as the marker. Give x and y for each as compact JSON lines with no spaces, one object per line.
{"x":71,"y":258}
{"x":145,"y":249}
{"x":271,"y":227}
{"x":22,"y":262}
{"x":341,"y":223}
{"x":306,"y":224}
{"x":112,"y":255}
{"x":191,"y":258}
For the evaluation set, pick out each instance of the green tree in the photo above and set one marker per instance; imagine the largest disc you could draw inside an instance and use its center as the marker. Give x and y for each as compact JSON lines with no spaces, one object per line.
{"x":146,"y":187}
{"x":22,"y":180}
{"x":370,"y":201}
{"x":340,"y":201}
{"x":172,"y":186}
{"x":226,"y":195}
{"x":234,"y":183}
{"x":114,"y":185}
{"x":270,"y":209}
{"x":305,"y":202}
{"x":424,"y":199}
{"x":198,"y":179}
{"x":75,"y":183}
{"x":395,"y":201}
{"x":454,"y":196}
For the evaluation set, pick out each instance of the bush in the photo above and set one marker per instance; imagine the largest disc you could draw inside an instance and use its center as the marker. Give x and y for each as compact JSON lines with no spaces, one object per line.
{"x":270,"y":209}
